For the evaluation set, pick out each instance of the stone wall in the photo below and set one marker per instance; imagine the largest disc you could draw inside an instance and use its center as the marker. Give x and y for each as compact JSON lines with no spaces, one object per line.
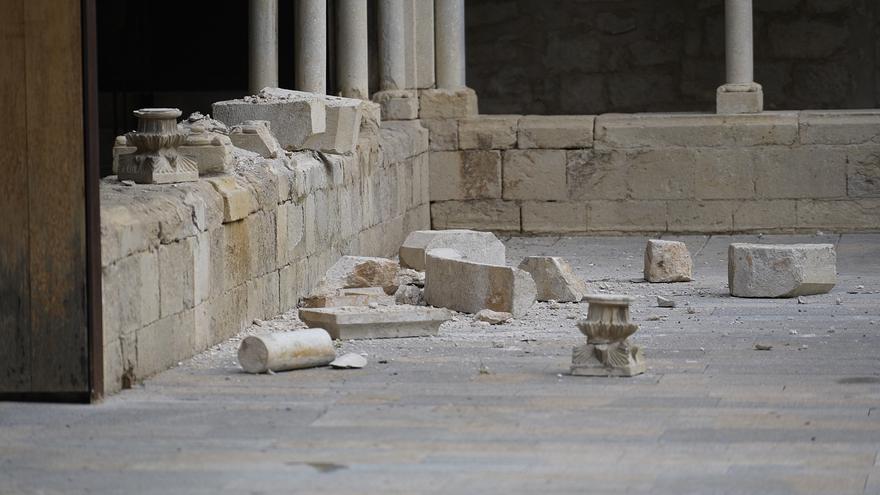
{"x":596,"y":56}
{"x":186,"y":266}
{"x":770,"y":172}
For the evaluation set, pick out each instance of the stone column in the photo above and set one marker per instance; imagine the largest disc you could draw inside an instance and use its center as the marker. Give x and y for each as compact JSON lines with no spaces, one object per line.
{"x":352,"y":51}
{"x":311,"y":46}
{"x":392,"y":51}
{"x":741,"y":94}
{"x":449,"y":43}
{"x":262,"y":44}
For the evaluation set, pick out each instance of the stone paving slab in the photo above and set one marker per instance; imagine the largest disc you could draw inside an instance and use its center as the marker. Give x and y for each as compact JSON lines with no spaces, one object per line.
{"x":480,"y":409}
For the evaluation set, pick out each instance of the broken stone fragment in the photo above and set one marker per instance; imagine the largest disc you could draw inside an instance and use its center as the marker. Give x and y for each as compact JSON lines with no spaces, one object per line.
{"x":286,"y":351}
{"x":781,"y":270}
{"x":347,"y":299}
{"x":469,"y":287}
{"x":360,"y":271}
{"x":554,"y":278}
{"x":408,"y":276}
{"x":211,"y":151}
{"x":492,"y":317}
{"x":665,"y":302}
{"x":256,"y":136}
{"x":667,"y":261}
{"x":398,"y":104}
{"x":409,"y":294}
{"x":342,"y":128}
{"x":349,"y":361}
{"x":479,"y":247}
{"x":376,"y":323}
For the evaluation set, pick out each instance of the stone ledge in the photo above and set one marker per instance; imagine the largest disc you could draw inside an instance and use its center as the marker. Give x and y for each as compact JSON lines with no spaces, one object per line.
{"x":840,"y":126}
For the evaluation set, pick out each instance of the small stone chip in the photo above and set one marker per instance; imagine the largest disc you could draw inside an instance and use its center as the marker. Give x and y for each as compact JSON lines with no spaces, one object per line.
{"x":350,"y":360}
{"x":763,"y":347}
{"x":665,"y":302}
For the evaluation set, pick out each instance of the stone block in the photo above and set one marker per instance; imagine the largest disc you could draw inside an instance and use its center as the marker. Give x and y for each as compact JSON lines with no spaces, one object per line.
{"x":801,"y":172}
{"x":488,"y":132}
{"x":177,"y":276}
{"x":122,"y":147}
{"x":554,"y":279}
{"x":780,"y":270}
{"x":663,"y":173}
{"x":725,"y":173}
{"x":347,"y":298}
{"x":555,"y":131}
{"x":163,"y":343}
{"x":700,"y":216}
{"x":465,"y":175}
{"x":447,"y":103}
{"x":263,"y":298}
{"x":667,"y":261}
{"x":469,"y":287}
{"x":238,"y":199}
{"x":773,"y":215}
{"x":442,"y":134}
{"x":353,"y":322}
{"x":627,"y":216}
{"x":494,"y":215}
{"x":401,"y":140}
{"x":479,"y":247}
{"x":534,"y":174}
{"x":398,"y":104}
{"x":130,"y":293}
{"x":840,"y":126}
{"x":596,"y":174}
{"x":652,"y":130}
{"x":256,"y":136}
{"x":343,"y":126}
{"x":360,"y":271}
{"x":553,"y":217}
{"x":211,"y":151}
{"x":863,"y":171}
{"x":853,"y":214}
{"x":739,"y":99}
{"x":295,"y":116}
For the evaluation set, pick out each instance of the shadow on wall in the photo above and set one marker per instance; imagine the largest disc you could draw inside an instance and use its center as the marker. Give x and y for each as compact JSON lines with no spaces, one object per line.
{"x":593,"y":57}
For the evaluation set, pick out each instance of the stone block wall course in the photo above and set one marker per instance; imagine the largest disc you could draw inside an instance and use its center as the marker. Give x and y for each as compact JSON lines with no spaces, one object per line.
{"x":187,"y":266}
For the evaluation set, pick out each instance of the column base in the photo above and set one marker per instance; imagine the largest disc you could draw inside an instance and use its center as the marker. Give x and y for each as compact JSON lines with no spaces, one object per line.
{"x":615,"y":359}
{"x":448,"y":103}
{"x":398,"y":104}
{"x":739,"y":98}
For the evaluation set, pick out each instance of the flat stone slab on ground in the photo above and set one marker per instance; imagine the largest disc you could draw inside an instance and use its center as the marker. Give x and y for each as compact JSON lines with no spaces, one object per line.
{"x":554,"y":278}
{"x":667,"y":261}
{"x":376,"y":323}
{"x":781,"y":270}
{"x":479,"y":247}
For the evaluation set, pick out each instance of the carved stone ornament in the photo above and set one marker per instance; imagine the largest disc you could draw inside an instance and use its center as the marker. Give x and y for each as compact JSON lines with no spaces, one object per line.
{"x":157,"y":160}
{"x":608,"y":351}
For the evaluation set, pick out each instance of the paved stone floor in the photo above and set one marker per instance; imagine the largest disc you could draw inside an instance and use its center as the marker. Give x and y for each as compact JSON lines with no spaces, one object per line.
{"x":491,"y":409}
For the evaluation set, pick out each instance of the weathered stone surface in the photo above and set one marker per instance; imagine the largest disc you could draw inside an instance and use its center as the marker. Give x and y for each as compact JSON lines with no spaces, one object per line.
{"x":534,"y":174}
{"x":295,"y":116}
{"x":555,"y":131}
{"x":361,"y":271}
{"x":398,"y":104}
{"x":472,"y":174}
{"x":667,"y":261}
{"x":256,"y":136}
{"x":492,"y":317}
{"x":487,"y":132}
{"x":286,"y":351}
{"x":211,"y":151}
{"x":495,"y":215}
{"x":627,"y":216}
{"x":377,"y":323}
{"x":665,"y":302}
{"x":349,"y":361}
{"x":739,"y":98}
{"x":447,"y":104}
{"x":238,"y":200}
{"x":470,"y":287}
{"x":342,"y":127}
{"x":554,"y":279}
{"x":409,"y":294}
{"x":347,"y":299}
{"x":443,"y":134}
{"x":479,"y":247}
{"x":840,"y":126}
{"x":553,"y":217}
{"x":781,"y":270}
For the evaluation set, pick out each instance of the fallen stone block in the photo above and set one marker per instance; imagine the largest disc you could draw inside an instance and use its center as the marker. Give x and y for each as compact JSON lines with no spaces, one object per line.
{"x":665,"y":302}
{"x":286,"y":351}
{"x":360,"y":271}
{"x":342,"y":128}
{"x":469,"y":287}
{"x":344,"y":298}
{"x":295,"y":116}
{"x":256,"y":136}
{"x":376,"y":323}
{"x":479,"y":247}
{"x":211,"y":151}
{"x":781,"y":270}
{"x":492,"y":317}
{"x":554,"y":278}
{"x":667,"y":261}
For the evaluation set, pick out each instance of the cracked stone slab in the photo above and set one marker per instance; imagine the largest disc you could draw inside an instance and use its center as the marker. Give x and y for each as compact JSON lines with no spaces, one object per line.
{"x":781,"y":270}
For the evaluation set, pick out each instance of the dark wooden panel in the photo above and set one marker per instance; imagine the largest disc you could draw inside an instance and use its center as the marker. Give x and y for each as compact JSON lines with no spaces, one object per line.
{"x":57,"y":230}
{"x":15,"y":371}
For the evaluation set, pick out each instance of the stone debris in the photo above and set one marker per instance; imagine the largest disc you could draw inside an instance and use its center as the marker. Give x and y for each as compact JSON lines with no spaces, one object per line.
{"x":665,"y":302}
{"x":286,"y":351}
{"x":479,"y":247}
{"x":492,"y":317}
{"x":349,"y":361}
{"x":781,"y":270}
{"x":469,"y":287}
{"x":409,"y":294}
{"x":212,"y":151}
{"x":358,"y":272}
{"x":667,"y":261}
{"x":342,"y":127}
{"x":408,"y":276}
{"x":376,"y":323}
{"x":763,"y":347}
{"x":256,"y":136}
{"x":554,"y":278}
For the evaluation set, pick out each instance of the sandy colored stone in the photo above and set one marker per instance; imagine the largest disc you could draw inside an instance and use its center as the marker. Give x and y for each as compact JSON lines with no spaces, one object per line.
{"x":479,"y":247}
{"x":409,"y":294}
{"x":781,"y":270}
{"x":492,"y":317}
{"x":447,"y":103}
{"x":360,"y":271}
{"x":486,"y":132}
{"x":554,"y":278}
{"x":286,"y":351}
{"x":555,"y":131}
{"x":398,"y":104}
{"x":469,"y":287}
{"x":256,"y":136}
{"x":349,"y":361}
{"x":667,"y":261}
{"x":376,"y":323}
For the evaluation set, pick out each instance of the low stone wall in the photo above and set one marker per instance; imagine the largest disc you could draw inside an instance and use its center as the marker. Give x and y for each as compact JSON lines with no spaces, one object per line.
{"x":771,"y":172}
{"x":186,"y":266}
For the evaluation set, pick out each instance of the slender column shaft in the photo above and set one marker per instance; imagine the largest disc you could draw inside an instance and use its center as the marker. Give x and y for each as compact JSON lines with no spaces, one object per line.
{"x":262,"y":44}
{"x":353,"y":55}
{"x":449,"y":43}
{"x":392,"y":50}
{"x":738,"y":31}
{"x":311,"y":46}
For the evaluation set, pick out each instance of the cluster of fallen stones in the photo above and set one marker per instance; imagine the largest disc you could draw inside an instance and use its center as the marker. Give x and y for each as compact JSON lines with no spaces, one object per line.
{"x":466,"y":271}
